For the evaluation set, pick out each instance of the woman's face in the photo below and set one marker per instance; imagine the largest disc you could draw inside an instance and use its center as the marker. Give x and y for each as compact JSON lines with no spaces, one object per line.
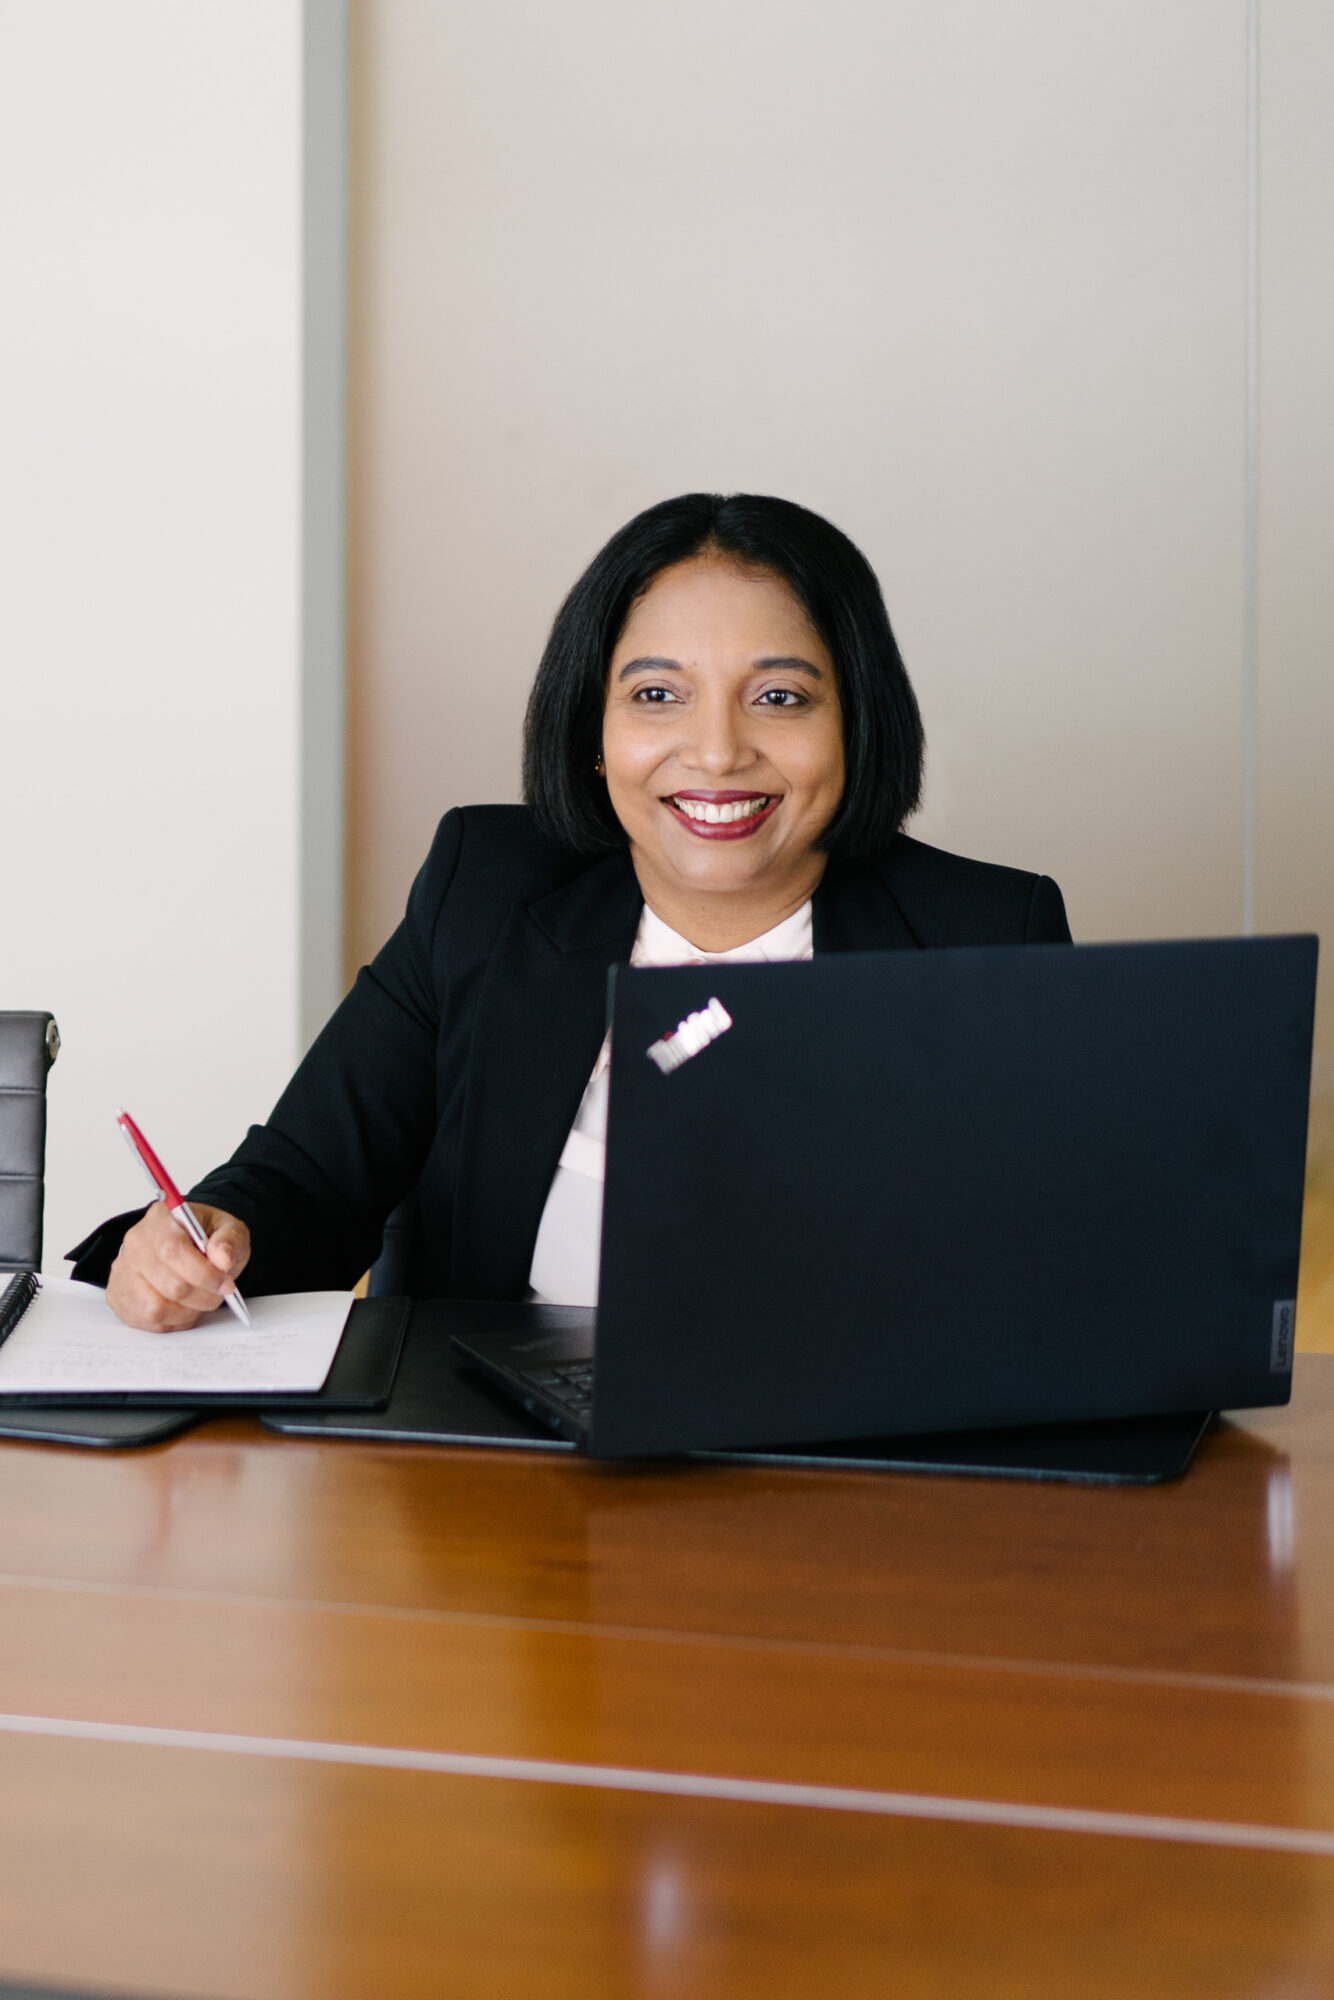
{"x":723,"y":735}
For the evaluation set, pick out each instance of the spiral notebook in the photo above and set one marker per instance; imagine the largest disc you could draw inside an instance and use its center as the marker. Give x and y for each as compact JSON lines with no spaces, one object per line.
{"x":60,"y":1339}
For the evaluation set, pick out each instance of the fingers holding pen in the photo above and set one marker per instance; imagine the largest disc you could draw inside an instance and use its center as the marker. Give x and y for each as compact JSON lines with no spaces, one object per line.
{"x":162,"y":1283}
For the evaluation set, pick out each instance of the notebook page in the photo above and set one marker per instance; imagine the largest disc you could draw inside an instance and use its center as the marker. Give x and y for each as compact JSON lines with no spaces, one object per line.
{"x":69,"y":1340}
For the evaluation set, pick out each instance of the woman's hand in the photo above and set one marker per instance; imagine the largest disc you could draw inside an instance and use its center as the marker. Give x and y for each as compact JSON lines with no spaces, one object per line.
{"x":161,"y":1283}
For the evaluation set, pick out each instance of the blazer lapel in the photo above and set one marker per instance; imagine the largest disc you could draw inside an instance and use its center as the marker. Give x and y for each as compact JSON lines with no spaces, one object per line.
{"x":854,"y":909}
{"x":540,"y":1023}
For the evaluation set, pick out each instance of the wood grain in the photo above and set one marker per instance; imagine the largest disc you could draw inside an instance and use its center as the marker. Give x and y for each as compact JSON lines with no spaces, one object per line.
{"x":979,"y":1567}
{"x":1161,"y":1651}
{"x":773,"y":1714}
{"x":192,"y":1874}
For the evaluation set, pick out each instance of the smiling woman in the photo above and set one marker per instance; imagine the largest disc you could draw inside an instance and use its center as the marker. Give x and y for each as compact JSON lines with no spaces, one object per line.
{"x":722,"y":745}
{"x":704,"y":584}
{"x":721,"y":748}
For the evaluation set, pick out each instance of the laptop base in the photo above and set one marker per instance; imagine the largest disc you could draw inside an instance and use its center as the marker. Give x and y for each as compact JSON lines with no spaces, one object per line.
{"x":434,"y":1399}
{"x":438,"y":1399}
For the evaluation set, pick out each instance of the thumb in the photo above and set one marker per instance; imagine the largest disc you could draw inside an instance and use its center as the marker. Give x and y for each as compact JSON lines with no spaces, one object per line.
{"x":227,"y":1246}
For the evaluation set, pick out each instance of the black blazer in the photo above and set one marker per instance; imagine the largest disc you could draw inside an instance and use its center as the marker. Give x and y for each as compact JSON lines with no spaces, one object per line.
{"x":456,"y":1064}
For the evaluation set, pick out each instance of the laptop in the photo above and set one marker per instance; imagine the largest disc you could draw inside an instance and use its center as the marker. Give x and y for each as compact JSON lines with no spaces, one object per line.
{"x":894,"y":1193}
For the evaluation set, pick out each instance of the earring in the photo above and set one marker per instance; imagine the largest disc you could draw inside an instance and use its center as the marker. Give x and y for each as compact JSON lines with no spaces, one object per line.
{"x":600,"y":768}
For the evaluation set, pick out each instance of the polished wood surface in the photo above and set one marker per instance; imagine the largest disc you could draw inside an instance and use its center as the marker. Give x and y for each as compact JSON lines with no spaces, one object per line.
{"x":1165,"y":1653}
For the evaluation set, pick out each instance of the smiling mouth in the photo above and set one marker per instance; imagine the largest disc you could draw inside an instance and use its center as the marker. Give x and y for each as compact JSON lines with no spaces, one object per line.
{"x":722,"y":815}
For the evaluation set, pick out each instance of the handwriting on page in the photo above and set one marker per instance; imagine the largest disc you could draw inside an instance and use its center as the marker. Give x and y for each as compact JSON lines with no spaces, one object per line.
{"x":70,"y":1341}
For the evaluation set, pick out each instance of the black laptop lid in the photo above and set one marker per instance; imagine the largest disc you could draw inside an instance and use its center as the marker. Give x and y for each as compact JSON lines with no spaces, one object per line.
{"x":914,"y":1191}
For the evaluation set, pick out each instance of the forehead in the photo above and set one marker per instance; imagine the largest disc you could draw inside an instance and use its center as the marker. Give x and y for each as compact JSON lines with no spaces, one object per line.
{"x":710,"y":608}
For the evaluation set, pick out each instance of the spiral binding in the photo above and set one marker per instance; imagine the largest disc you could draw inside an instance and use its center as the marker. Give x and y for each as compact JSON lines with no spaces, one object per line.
{"x":17,"y":1296}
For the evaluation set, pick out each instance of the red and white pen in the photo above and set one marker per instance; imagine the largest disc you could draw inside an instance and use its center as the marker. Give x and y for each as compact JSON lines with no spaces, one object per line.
{"x":177,"y":1206}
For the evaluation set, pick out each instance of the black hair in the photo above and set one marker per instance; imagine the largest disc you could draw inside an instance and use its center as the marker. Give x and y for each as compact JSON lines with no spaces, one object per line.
{"x":882,"y":727}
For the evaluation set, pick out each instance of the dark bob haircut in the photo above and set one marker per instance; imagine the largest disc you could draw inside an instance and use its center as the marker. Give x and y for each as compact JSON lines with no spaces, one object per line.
{"x":882,"y":728}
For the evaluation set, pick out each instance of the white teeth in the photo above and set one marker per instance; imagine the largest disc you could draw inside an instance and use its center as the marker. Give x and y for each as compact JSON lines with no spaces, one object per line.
{"x":720,"y":815}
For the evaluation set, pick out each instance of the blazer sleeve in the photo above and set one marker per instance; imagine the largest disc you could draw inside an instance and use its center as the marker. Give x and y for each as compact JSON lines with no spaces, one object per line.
{"x":1046,"y":922}
{"x":349,"y":1135}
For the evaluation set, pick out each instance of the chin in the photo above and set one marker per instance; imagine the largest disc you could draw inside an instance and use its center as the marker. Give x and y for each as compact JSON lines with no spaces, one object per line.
{"x":720,"y":867}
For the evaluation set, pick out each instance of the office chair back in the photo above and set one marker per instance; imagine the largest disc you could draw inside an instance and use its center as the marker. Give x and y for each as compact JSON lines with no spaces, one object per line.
{"x":29,"y":1044}
{"x":394,"y":1272}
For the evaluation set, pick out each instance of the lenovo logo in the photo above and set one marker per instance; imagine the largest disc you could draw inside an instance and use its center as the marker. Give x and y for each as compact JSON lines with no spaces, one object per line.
{"x":1280,"y":1339}
{"x":690,"y":1036}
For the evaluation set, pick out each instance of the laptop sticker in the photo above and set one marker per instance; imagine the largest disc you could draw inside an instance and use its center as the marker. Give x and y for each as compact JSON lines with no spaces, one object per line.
{"x":688,"y":1037}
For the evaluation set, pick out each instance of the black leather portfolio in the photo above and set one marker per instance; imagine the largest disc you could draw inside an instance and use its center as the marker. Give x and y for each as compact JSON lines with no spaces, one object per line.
{"x":361,"y":1378}
{"x":56,"y":1423}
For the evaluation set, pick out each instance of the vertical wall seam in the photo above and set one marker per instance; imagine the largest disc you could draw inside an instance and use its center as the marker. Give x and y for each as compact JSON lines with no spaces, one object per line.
{"x":323,"y":275}
{"x":1250,"y":560}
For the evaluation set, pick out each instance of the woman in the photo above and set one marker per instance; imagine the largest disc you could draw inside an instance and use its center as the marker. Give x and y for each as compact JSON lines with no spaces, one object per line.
{"x":720,"y":750}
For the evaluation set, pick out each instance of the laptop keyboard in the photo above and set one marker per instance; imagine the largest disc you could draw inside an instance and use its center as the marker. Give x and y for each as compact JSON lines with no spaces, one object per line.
{"x":570,"y":1383}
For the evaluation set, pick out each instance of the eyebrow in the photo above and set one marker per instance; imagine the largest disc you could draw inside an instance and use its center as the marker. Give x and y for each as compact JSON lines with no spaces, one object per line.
{"x":782,"y":662}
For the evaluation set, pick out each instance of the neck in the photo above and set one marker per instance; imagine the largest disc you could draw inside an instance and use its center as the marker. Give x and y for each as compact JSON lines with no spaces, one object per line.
{"x":720,"y":920}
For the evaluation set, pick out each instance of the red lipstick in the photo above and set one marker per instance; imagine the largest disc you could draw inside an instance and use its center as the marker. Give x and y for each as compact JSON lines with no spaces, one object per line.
{"x":731,"y":829}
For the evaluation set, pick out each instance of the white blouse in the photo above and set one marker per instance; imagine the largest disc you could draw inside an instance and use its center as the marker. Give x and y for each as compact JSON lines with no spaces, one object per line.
{"x":564,"y":1270}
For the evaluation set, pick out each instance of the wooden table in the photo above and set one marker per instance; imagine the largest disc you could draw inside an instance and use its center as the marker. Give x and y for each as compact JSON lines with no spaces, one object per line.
{"x":326,"y":1719}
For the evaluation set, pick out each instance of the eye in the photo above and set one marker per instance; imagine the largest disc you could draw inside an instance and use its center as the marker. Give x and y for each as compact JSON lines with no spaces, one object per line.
{"x":782,"y":698}
{"x":654,"y":696}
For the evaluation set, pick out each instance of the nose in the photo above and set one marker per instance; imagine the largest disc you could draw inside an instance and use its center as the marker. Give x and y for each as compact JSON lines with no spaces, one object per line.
{"x":716,"y":746}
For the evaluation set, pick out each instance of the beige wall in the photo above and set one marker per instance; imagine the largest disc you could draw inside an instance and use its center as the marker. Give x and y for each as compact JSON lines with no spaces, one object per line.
{"x":971,"y":279}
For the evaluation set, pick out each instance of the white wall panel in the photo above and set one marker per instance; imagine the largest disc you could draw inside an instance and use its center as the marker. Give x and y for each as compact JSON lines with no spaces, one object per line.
{"x":150,"y":439}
